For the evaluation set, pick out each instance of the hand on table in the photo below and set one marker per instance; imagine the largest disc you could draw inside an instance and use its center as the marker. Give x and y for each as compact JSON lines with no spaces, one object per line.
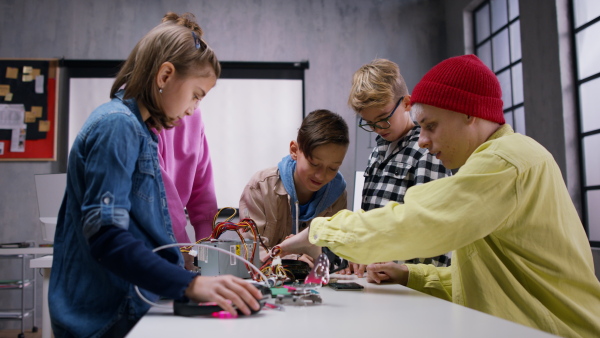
{"x":225,"y":290}
{"x":358,"y":269}
{"x":387,"y":272}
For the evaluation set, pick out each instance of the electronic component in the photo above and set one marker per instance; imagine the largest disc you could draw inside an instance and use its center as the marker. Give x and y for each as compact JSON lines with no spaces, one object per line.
{"x":214,"y":263}
{"x":298,"y":269}
{"x":346,"y":286}
{"x":296,"y":295}
{"x":191,"y":308}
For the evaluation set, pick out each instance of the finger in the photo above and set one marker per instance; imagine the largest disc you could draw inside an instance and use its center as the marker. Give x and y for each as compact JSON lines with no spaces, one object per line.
{"x":247,"y":293}
{"x":229,"y":292}
{"x":383,"y":277}
{"x":306,"y":259}
{"x":254,"y":292}
{"x":373,"y":277}
{"x":234,"y":298}
{"x":360,"y":272}
{"x":225,"y":304}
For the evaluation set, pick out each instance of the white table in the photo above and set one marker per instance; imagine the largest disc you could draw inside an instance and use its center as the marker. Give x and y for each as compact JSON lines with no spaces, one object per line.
{"x":27,"y":251}
{"x":377,"y":311}
{"x":44,"y":263}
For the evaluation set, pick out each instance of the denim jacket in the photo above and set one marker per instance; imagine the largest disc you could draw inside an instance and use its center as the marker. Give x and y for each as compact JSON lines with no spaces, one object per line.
{"x":113,"y":179}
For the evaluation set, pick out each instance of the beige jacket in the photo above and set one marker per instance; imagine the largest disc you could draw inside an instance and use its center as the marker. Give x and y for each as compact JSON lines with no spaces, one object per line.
{"x":266,"y":201}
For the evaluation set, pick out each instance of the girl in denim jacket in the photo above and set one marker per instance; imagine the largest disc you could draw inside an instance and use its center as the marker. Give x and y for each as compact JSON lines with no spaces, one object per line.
{"x":114,"y":211}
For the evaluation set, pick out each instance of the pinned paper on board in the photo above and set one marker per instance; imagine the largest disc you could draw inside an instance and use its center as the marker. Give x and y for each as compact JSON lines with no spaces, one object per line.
{"x":17,"y":142}
{"x":37,"y":111}
{"x":4,"y":89}
{"x":12,"y":73}
{"x":39,"y":84}
{"x":29,"y":117}
{"x":44,"y":125}
{"x":11,"y":115}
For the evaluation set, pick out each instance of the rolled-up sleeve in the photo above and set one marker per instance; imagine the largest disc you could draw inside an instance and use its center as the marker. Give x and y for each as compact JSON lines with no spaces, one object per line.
{"x":111,"y":145}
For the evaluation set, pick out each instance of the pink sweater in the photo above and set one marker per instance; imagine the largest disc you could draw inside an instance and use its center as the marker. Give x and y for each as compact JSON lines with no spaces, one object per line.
{"x":187,"y":174}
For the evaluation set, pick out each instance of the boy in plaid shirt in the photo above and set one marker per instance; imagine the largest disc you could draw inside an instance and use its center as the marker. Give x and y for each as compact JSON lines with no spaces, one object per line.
{"x":380,"y":96}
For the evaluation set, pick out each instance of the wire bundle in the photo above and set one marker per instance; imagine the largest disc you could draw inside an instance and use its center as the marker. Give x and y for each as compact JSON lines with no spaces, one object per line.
{"x":243,"y":226}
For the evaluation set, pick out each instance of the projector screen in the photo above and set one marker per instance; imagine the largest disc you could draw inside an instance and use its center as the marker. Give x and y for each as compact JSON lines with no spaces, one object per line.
{"x":250,"y":116}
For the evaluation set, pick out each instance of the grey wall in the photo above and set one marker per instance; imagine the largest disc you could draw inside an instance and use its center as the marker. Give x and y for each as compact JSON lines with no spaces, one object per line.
{"x":335,"y":36}
{"x":547,"y":77}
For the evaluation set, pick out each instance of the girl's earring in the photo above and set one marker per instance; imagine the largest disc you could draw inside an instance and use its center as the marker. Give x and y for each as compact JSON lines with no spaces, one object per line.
{"x":160,"y":90}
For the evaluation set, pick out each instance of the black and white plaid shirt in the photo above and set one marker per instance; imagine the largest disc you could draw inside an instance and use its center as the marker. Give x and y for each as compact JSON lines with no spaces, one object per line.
{"x":388,"y":177}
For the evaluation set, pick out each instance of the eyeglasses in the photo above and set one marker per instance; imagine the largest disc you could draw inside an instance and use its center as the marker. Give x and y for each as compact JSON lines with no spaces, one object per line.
{"x":381,"y":124}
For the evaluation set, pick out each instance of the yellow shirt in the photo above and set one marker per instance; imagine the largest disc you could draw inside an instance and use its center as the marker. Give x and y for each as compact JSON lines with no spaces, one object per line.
{"x":520,"y":250}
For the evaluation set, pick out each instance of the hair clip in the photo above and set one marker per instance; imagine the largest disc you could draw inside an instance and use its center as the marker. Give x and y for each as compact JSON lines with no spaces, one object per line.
{"x":197,"y":40}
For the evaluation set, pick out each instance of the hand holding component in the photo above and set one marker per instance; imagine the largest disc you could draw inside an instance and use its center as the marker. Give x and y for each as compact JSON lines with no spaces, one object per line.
{"x":225,"y":290}
{"x":299,"y":244}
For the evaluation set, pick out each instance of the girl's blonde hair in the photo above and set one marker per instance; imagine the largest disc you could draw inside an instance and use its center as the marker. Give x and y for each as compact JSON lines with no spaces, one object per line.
{"x":178,"y":39}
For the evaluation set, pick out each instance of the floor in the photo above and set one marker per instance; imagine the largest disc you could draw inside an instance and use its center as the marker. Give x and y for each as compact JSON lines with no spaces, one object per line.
{"x":15,"y":333}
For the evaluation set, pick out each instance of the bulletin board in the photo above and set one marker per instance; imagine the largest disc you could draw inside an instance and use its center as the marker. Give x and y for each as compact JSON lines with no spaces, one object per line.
{"x":28,"y":109}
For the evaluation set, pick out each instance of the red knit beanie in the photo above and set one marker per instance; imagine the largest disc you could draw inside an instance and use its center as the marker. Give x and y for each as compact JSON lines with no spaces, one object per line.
{"x":463,"y":84}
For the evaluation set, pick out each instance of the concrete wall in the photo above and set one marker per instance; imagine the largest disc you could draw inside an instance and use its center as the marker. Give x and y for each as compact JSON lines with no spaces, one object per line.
{"x":335,"y":36}
{"x":547,"y":76}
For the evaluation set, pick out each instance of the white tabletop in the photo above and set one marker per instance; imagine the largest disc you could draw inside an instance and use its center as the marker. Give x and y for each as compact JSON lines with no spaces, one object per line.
{"x":377,"y":311}
{"x":41,"y":262}
{"x":27,"y":251}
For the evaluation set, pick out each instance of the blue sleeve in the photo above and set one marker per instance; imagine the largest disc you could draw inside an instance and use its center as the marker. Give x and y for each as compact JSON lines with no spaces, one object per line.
{"x":112,"y":152}
{"x":127,"y":257}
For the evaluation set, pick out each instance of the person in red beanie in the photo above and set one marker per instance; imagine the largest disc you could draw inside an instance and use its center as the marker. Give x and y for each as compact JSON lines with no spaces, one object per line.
{"x":519,"y":249}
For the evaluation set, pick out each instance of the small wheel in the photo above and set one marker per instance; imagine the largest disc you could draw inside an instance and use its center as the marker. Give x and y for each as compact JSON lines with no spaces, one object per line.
{"x":21,"y":335}
{"x":34,"y":329}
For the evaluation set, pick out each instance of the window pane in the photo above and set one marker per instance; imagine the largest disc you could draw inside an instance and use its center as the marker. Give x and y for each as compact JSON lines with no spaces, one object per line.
{"x":593,"y":209}
{"x":499,"y":14}
{"x":588,"y":51}
{"x":485,"y":53}
{"x":585,"y":11}
{"x":509,"y":119}
{"x":591,"y":144}
{"x":513,"y":9}
{"x":500,"y":50}
{"x":482,"y":23}
{"x":520,"y":120}
{"x":517,"y":83}
{"x":590,"y":114}
{"x":504,"y":79}
{"x":515,"y":41}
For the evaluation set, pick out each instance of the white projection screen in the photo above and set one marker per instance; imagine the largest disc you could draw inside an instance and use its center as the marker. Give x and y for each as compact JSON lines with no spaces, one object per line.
{"x":251,"y":115}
